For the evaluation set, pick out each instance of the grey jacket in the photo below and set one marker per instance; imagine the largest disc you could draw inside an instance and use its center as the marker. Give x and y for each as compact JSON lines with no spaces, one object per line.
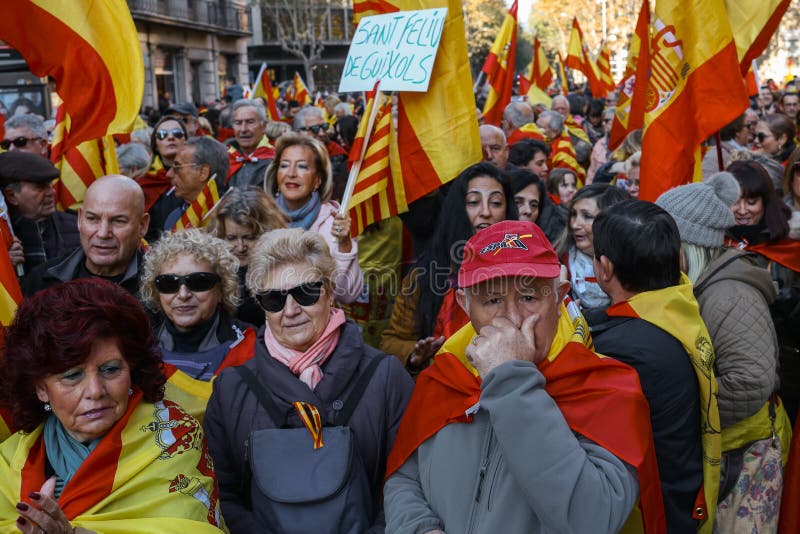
{"x":734,"y":296}
{"x":517,"y":468}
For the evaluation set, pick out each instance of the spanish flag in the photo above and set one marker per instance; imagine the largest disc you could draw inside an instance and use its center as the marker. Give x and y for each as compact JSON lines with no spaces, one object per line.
{"x":300,"y":92}
{"x":604,"y":68}
{"x":695,"y":89}
{"x":92,"y":51}
{"x":263,"y":88}
{"x":10,"y":294}
{"x":578,"y":59}
{"x":437,"y":133}
{"x":196,"y":213}
{"x":752,"y":25}
{"x":629,"y":114}
{"x":378,"y":193}
{"x":499,"y":68}
{"x":540,"y":77}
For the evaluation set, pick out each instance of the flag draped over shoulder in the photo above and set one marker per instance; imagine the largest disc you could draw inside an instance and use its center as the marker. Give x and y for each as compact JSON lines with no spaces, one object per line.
{"x":301,"y":93}
{"x":562,"y":155}
{"x":629,"y":113}
{"x":378,"y":194}
{"x":91,"y":49}
{"x":263,"y":88}
{"x":578,"y":59}
{"x":499,"y":68}
{"x":437,"y":133}
{"x":540,"y":77}
{"x":195,"y":214}
{"x":752,"y":25}
{"x":695,"y":89}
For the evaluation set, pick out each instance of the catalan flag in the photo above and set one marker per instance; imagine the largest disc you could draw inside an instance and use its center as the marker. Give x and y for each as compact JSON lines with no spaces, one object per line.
{"x":499,"y":68}
{"x":695,"y":89}
{"x":629,"y":113}
{"x":578,"y":59}
{"x":604,"y":68}
{"x":540,"y":76}
{"x":562,"y":75}
{"x":562,"y":155}
{"x":378,"y":194}
{"x":91,"y":49}
{"x":263,"y":88}
{"x":10,"y":293}
{"x":300,"y":92}
{"x":437,"y":133}
{"x":195,"y":214}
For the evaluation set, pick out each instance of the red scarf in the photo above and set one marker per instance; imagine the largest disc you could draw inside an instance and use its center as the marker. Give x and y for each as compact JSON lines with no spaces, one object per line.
{"x":600,"y":398}
{"x":785,"y":252}
{"x":237,"y":159}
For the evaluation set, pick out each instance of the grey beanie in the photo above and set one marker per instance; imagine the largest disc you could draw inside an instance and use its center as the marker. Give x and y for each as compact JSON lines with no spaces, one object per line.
{"x":702,"y":210}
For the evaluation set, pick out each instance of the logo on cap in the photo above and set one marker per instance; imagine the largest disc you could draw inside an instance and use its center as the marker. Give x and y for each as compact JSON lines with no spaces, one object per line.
{"x":508,"y":241}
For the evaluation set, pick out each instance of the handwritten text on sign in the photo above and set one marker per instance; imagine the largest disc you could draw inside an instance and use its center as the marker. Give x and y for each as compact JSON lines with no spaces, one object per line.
{"x":397,"y":48}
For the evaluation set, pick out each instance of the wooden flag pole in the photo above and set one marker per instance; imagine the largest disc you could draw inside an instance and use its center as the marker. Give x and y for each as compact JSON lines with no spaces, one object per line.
{"x":356,"y":168}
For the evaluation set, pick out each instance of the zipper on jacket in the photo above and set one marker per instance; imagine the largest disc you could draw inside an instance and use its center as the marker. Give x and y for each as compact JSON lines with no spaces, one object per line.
{"x":487,"y":452}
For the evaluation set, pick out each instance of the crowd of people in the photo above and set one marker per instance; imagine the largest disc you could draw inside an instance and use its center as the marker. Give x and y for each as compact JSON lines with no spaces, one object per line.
{"x":530,"y":348}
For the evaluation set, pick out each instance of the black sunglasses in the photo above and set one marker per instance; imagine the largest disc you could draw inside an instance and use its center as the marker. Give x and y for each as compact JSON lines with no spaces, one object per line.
{"x":171,"y":283}
{"x":18,"y":142}
{"x":761,"y":136}
{"x":305,"y":295}
{"x":316,"y":128}
{"x":177,"y":133}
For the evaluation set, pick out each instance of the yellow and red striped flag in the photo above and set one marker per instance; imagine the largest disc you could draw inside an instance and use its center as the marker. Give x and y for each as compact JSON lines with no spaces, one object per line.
{"x":540,"y":77}
{"x":437,"y":133}
{"x":499,"y":68}
{"x":263,"y":88}
{"x":578,"y":59}
{"x":604,"y":68}
{"x":695,"y":89}
{"x":562,"y":155}
{"x":195,"y":214}
{"x":91,"y":49}
{"x":752,"y":25}
{"x":562,"y":74}
{"x":10,"y":294}
{"x":629,"y":113}
{"x":378,"y":194}
{"x":300,"y":92}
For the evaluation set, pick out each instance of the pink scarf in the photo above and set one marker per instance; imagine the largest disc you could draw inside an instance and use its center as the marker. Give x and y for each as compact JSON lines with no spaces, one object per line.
{"x":306,"y":365}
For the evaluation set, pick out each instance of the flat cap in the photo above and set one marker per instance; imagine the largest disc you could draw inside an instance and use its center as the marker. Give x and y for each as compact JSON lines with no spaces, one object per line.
{"x":25,"y":167}
{"x":182,"y":108}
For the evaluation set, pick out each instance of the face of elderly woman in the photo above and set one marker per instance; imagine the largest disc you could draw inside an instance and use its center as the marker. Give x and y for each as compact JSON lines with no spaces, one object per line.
{"x":186,"y":308}
{"x":297,"y":176}
{"x":298,"y":327}
{"x":89,"y":398}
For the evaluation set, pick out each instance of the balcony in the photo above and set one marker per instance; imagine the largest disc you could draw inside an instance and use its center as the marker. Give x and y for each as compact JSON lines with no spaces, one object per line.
{"x":218,"y":16}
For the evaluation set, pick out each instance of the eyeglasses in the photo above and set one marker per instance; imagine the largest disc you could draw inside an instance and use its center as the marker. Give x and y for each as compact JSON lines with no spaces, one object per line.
{"x":177,"y":133}
{"x":761,"y":136}
{"x":185,"y":165}
{"x":171,"y":283}
{"x":18,"y":142}
{"x":316,"y":128}
{"x":305,"y":295}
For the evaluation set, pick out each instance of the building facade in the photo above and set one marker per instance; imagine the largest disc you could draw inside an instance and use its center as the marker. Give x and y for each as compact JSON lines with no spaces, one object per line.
{"x":331,"y":22}
{"x":189,"y":47}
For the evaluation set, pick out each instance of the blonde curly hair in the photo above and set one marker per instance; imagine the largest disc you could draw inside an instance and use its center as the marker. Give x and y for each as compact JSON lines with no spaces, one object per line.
{"x":202,"y":247}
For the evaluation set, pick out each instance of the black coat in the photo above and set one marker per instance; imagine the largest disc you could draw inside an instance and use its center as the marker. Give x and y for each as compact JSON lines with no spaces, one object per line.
{"x":48,"y":239}
{"x":233,"y":412}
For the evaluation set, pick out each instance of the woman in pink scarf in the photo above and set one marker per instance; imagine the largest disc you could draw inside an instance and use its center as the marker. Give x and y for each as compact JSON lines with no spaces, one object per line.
{"x":310,"y":354}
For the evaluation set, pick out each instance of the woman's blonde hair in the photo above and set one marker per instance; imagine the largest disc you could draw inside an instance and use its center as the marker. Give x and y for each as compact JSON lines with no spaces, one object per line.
{"x":322,"y":163}
{"x":696,"y":258}
{"x":286,"y":247}
{"x":249,"y":207}
{"x":202,"y":247}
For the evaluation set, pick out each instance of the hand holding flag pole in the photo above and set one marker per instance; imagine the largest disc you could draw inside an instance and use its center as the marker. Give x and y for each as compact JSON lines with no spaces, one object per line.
{"x":356,"y":168}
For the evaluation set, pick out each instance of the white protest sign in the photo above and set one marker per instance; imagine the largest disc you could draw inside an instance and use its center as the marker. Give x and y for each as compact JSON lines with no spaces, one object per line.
{"x":397,"y":48}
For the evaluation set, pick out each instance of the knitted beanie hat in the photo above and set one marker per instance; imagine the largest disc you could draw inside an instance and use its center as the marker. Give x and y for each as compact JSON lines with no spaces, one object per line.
{"x":702,"y":210}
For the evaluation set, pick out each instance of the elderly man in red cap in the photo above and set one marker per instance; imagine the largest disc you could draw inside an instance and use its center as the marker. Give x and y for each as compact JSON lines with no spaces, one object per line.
{"x":517,"y":426}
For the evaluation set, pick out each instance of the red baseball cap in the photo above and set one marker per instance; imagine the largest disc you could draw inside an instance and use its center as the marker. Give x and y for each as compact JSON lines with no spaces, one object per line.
{"x":508,"y":248}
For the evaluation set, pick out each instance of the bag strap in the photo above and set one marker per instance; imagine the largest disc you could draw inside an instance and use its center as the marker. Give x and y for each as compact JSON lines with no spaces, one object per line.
{"x":343,"y":416}
{"x":277,"y":416}
{"x":719,"y":268}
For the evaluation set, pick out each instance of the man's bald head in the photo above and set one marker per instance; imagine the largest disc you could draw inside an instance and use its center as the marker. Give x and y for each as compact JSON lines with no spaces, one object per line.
{"x":493,"y":143}
{"x":111,"y":223}
{"x":560,"y":105}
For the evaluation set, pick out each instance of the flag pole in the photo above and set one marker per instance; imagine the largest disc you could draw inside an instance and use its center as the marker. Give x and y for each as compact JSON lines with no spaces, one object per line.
{"x":356,"y":168}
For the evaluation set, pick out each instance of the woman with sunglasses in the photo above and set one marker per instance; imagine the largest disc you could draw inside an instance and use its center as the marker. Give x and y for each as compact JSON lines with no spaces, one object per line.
{"x":791,"y":181}
{"x":190,"y":282}
{"x":308,"y":352}
{"x":167,"y":138}
{"x":301,"y":179}
{"x":775,"y":136}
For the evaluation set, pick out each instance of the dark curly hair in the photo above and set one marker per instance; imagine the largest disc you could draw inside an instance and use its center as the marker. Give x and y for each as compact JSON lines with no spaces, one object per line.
{"x":54,"y":330}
